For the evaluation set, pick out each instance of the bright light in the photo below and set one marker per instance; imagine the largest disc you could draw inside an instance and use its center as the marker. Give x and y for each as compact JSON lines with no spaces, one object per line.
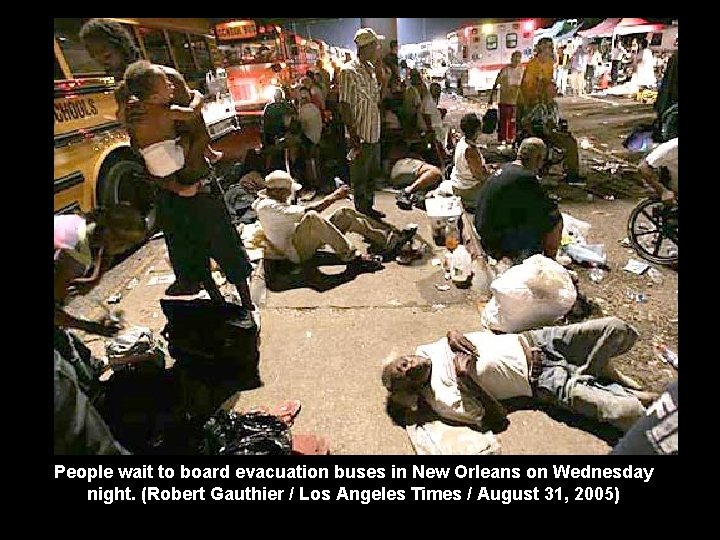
{"x":269,"y":93}
{"x":529,"y":26}
{"x":487,"y":28}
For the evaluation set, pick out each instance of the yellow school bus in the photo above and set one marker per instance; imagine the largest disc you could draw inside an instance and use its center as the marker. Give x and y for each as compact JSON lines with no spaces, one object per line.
{"x":94,"y":163}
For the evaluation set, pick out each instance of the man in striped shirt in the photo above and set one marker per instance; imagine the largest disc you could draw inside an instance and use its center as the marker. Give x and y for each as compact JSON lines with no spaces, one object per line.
{"x":359,"y":108}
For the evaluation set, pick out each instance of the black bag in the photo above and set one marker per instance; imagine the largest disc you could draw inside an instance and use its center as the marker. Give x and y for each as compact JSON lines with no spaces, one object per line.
{"x":490,"y":121}
{"x":250,"y":434}
{"x":217,"y":340}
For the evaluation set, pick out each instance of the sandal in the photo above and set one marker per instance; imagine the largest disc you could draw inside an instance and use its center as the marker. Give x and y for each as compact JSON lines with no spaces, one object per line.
{"x":305,"y":444}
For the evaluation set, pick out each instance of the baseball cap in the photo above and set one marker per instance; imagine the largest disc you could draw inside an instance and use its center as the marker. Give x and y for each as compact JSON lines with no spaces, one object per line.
{"x":365,"y":36}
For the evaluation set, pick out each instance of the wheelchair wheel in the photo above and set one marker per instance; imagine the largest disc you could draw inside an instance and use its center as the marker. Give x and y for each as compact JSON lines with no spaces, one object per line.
{"x":653,"y":231}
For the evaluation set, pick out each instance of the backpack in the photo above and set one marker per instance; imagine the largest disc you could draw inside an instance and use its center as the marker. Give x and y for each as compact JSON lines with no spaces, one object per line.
{"x":490,"y":121}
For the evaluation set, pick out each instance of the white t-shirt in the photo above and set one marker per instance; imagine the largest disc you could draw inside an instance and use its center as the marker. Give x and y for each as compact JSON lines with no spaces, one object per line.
{"x":311,"y":121}
{"x":461,"y":175}
{"x":278,"y":221}
{"x":501,"y":369}
{"x":430,"y":108}
{"x":666,"y":155}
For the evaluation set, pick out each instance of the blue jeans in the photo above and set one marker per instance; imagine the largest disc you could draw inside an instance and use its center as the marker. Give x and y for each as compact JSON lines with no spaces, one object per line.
{"x":574,"y":357}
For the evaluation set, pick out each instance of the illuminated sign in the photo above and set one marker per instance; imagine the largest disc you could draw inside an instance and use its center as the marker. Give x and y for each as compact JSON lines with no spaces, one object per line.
{"x":235,"y":30}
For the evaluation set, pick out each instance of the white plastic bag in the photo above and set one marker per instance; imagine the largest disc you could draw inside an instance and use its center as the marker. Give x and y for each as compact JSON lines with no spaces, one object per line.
{"x":574,"y":231}
{"x":530,"y":295}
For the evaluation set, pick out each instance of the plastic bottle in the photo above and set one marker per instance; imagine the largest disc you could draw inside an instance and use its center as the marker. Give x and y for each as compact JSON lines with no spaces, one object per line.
{"x":461,"y":265}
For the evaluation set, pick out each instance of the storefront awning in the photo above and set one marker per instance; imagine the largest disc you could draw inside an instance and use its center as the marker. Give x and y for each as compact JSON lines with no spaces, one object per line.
{"x":636,"y":26}
{"x":604,"y":29}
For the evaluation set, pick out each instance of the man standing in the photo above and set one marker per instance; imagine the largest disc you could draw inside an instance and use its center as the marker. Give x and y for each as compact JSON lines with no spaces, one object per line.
{"x":515,"y":218}
{"x":578,"y":61}
{"x":538,"y":73}
{"x":463,"y":377}
{"x":109,"y":44}
{"x":359,"y":107}
{"x":197,"y":224}
{"x":592,"y":68}
{"x":509,"y":80}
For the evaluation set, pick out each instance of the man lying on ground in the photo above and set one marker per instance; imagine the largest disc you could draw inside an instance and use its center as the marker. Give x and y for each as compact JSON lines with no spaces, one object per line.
{"x":463,"y":377}
{"x":296,"y":232}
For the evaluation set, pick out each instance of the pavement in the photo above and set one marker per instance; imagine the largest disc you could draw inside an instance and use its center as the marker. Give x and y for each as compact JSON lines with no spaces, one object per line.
{"x":326,"y":348}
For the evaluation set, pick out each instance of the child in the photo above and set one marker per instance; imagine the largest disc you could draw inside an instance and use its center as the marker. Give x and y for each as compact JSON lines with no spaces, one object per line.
{"x":155,"y":136}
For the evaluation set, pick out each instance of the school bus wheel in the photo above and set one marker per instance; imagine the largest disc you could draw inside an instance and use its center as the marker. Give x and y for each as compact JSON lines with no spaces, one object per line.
{"x":122,"y":180}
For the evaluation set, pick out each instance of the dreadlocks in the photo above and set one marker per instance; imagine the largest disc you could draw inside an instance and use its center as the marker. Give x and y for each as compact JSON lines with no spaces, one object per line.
{"x":114,"y":34}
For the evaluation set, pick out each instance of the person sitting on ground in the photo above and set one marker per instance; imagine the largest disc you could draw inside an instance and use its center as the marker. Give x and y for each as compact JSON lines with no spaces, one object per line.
{"x":660,"y":170}
{"x":296,"y":232}
{"x":85,"y":243}
{"x":463,"y":378}
{"x":546,"y":115}
{"x":515,"y":218}
{"x":155,"y":137}
{"x":469,"y":171}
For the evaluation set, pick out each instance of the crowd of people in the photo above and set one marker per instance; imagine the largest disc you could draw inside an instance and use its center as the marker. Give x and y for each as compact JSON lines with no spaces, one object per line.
{"x":514,"y":218}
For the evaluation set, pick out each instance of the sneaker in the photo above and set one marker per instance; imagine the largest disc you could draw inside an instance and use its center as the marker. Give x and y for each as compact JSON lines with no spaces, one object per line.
{"x":183,"y":288}
{"x":404,"y":201}
{"x":367,"y":262}
{"x":375,"y":214}
{"x":575,"y":180}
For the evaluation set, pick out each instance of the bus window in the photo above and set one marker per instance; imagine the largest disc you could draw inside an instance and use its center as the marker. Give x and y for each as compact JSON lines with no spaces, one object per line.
{"x":476,"y":40}
{"x":58,"y":71}
{"x":66,"y":32}
{"x":656,"y":40}
{"x":491,"y":42}
{"x":156,"y":46}
{"x":511,"y":41}
{"x":202,"y":55}
{"x":131,"y":31}
{"x":464,"y":52}
{"x":181,"y":49}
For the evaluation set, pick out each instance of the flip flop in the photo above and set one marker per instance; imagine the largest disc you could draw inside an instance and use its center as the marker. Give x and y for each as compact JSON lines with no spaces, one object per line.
{"x":305,"y":444}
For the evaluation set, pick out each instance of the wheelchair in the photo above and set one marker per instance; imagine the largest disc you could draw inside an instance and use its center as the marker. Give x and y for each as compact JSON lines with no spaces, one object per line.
{"x":653,"y":231}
